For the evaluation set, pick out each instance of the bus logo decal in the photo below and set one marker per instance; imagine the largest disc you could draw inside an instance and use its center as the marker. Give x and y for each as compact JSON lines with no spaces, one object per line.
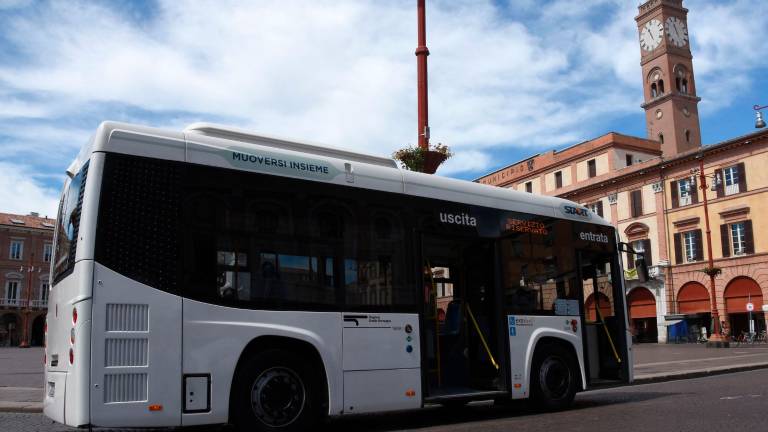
{"x":572,"y":210}
{"x":354,"y":319}
{"x":279,"y":164}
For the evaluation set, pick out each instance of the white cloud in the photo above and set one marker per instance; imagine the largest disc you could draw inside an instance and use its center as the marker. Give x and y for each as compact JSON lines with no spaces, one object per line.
{"x":343,"y":72}
{"x":21,"y":194}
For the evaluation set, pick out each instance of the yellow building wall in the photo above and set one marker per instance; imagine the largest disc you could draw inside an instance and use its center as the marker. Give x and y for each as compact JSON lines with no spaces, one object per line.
{"x":649,"y":199}
{"x":622,"y":205}
{"x":757,"y":201}
{"x":549,"y":178}
{"x":601,"y":167}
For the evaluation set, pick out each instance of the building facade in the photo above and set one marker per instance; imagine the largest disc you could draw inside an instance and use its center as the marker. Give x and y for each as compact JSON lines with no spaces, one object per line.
{"x":646,"y":188}
{"x":26,"y":251}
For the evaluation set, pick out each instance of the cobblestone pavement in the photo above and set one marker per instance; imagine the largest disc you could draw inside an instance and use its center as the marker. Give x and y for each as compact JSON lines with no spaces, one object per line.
{"x":728,"y":402}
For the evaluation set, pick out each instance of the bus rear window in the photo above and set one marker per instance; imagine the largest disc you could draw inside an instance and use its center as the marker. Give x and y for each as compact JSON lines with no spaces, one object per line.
{"x":68,"y":224}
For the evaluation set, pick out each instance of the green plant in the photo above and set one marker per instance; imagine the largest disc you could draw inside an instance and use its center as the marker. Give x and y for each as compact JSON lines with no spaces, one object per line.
{"x":711,"y":271}
{"x":421,"y":160}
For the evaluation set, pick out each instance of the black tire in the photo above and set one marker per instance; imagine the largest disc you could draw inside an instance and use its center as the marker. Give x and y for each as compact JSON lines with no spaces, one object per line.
{"x":274,"y":392}
{"x":554,"y":377}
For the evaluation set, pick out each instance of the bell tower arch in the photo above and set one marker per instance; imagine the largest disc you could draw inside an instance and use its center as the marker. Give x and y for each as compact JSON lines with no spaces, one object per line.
{"x":669,"y":88}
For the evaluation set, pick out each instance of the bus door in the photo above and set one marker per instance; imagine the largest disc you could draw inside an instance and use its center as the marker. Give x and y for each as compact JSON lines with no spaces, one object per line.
{"x":463,"y":353}
{"x":605,"y":346}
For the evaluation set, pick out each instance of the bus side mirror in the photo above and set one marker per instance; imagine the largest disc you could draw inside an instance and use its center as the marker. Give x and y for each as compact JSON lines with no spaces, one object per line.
{"x":642,"y":268}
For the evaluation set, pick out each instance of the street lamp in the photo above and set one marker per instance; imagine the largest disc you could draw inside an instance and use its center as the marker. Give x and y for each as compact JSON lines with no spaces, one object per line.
{"x":759,"y":122}
{"x":716,"y":339}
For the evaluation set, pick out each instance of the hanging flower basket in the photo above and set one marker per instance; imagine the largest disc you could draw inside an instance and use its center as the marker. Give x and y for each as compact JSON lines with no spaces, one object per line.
{"x":711,"y":271}
{"x":420,"y":160}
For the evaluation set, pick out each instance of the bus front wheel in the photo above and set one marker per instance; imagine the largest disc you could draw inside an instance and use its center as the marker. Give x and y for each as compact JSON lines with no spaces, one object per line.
{"x":554,"y":378}
{"x":274,"y":393}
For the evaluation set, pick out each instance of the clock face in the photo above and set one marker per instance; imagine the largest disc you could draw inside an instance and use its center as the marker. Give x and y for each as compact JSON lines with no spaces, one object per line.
{"x":651,"y":34}
{"x":677,"y":32}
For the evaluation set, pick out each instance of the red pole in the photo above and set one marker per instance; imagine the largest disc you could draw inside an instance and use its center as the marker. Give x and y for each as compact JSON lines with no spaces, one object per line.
{"x":25,"y":313}
{"x":716,"y":335}
{"x":421,"y":67}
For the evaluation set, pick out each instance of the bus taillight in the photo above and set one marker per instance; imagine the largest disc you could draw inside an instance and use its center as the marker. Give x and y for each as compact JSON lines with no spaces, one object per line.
{"x":71,"y":356}
{"x":72,"y":336}
{"x":74,"y":315}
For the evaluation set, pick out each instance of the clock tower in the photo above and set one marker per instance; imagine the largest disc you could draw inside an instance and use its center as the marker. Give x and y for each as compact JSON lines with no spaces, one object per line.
{"x":671,"y":104}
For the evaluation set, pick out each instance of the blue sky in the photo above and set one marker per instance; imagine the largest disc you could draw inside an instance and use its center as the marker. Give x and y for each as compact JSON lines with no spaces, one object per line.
{"x":507,"y":79}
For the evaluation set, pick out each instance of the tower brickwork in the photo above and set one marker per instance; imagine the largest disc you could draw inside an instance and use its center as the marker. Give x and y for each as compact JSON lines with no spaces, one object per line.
{"x":670,"y":99}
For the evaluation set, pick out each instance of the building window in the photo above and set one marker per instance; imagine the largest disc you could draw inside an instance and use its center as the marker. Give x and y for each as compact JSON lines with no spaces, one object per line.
{"x":596,"y":207}
{"x":685,"y":191}
{"x":654,"y":90}
{"x":529,"y":187}
{"x":558,"y":180}
{"x":636,"y":202}
{"x":661,"y":137}
{"x":17,"y":250}
{"x":12,"y":293}
{"x":731,"y":178}
{"x":690,"y":245}
{"x":639,"y":246}
{"x":592,"y":168}
{"x":47,"y":252}
{"x":661,"y":87}
{"x":44,"y":289}
{"x":629,"y":159}
{"x":738,"y":239}
{"x":687,"y":135}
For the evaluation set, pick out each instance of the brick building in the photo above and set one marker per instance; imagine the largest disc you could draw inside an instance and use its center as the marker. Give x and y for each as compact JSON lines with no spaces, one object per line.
{"x":26,"y":250}
{"x":645,"y":188}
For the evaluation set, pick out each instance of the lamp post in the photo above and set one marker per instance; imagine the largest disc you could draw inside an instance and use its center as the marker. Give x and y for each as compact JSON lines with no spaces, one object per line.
{"x":759,"y":122}
{"x":25,"y":336}
{"x":716,"y":339}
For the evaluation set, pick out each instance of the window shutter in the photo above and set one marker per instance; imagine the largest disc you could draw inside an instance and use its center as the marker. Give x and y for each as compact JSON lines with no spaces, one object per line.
{"x":721,"y":186}
{"x":694,"y":191}
{"x":630,"y":261}
{"x":647,"y":250}
{"x":749,"y":240}
{"x":592,"y":166}
{"x":600,"y":208}
{"x":673,"y":189}
{"x":699,"y":246}
{"x":637,"y":203}
{"x":742,"y":178}
{"x":725,"y":240}
{"x":678,"y":248}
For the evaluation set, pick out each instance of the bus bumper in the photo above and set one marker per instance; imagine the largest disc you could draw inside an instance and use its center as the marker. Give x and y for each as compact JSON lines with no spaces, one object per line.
{"x":55,"y":395}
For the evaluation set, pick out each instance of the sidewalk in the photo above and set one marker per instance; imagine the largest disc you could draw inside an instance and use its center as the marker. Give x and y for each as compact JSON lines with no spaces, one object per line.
{"x":654,"y":362}
{"x":21,"y":370}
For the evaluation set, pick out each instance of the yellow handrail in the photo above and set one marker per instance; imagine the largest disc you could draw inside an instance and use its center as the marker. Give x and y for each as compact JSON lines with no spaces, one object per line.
{"x":607,"y":333}
{"x":482,"y":338}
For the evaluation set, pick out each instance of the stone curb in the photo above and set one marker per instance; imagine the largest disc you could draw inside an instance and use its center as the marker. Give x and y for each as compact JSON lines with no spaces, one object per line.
{"x":697,"y":373}
{"x":21,"y":407}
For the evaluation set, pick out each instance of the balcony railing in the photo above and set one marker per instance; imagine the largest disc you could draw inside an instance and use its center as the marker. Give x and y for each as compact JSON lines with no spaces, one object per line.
{"x":39,"y":303}
{"x":13,"y":302}
{"x":20,"y":303}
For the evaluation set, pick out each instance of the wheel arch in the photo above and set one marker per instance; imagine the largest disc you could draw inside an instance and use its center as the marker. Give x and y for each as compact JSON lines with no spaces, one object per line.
{"x":301,"y":348}
{"x":568,"y":343}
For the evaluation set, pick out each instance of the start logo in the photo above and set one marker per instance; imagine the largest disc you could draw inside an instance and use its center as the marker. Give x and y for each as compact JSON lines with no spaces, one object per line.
{"x":574,"y":210}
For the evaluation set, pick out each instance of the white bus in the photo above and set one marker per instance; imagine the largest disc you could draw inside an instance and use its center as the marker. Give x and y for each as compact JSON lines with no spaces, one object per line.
{"x":215,"y":276}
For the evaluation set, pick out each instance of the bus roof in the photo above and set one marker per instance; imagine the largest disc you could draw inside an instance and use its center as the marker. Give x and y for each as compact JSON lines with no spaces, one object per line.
{"x":211,"y":144}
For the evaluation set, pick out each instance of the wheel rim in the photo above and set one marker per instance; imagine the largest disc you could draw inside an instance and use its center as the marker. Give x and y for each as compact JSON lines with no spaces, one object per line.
{"x":278,"y":397}
{"x":555,"y":377}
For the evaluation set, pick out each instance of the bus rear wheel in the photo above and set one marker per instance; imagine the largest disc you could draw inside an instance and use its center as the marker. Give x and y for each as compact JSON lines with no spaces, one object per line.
{"x":274,"y":393}
{"x":554,"y":378}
